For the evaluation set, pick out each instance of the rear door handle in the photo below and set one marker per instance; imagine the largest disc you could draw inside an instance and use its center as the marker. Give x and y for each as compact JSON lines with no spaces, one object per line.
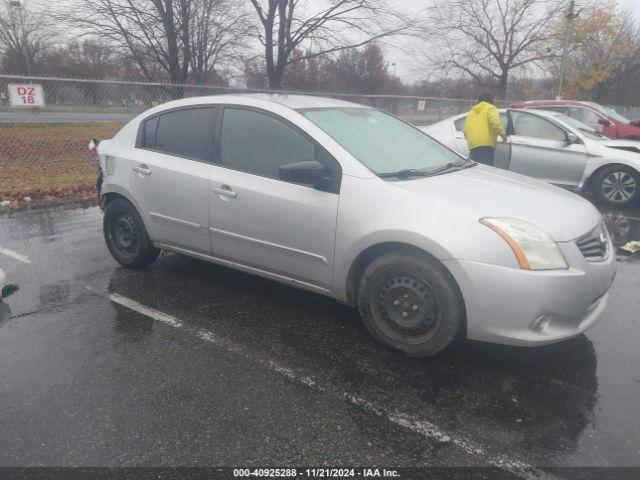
{"x":225,"y":191}
{"x":143,"y":169}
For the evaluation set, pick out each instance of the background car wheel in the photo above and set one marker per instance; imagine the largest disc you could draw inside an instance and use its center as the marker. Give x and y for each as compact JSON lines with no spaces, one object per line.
{"x":126,"y":236}
{"x":410,"y":304}
{"x":617,"y":186}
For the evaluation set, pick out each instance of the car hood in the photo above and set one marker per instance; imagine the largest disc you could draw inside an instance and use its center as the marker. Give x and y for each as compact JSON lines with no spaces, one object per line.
{"x":483,"y":191}
{"x":632,"y":146}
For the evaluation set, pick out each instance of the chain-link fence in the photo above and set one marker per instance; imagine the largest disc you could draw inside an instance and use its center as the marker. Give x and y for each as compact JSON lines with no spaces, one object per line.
{"x":46,"y":123}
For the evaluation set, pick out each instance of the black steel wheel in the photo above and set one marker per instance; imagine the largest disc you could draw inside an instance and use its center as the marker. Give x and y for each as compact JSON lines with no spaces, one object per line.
{"x":410,"y":303}
{"x":126,"y":236}
{"x":410,"y":307}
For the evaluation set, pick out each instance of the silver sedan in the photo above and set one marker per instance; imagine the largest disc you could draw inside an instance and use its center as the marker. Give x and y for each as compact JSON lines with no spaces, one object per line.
{"x":560,"y":150}
{"x":349,"y":202}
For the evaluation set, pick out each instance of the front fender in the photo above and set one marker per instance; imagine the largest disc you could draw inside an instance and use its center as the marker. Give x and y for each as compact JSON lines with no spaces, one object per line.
{"x":344,"y":260}
{"x":597,"y":163}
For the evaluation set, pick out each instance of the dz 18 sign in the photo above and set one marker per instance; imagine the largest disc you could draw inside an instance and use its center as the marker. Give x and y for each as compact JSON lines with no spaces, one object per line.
{"x":26,"y":95}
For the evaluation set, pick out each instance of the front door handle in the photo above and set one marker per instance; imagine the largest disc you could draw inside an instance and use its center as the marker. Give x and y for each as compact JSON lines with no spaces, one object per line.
{"x":143,"y":169}
{"x":225,"y":191}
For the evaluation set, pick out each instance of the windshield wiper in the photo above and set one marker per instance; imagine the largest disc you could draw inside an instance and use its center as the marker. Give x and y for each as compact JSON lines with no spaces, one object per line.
{"x":450,"y":167}
{"x":412,"y":172}
{"x":406,"y":173}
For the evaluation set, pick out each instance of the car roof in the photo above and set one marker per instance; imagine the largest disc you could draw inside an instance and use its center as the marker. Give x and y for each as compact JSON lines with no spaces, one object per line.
{"x":554,"y":102}
{"x":297,"y":101}
{"x":294,"y":102}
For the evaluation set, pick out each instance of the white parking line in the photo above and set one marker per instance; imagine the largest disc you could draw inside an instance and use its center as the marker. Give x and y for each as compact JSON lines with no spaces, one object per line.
{"x":15,"y":255}
{"x":417,"y":425}
{"x":147,"y":311}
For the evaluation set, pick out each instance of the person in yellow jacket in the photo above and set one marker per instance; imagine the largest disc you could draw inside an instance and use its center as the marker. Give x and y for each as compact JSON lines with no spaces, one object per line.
{"x":481,"y":129}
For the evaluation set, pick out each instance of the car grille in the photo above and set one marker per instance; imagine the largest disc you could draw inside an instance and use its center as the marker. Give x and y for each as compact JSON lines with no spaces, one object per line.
{"x":594,"y":245}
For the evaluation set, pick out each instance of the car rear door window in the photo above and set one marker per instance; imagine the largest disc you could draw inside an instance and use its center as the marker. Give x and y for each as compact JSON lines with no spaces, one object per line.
{"x":533,"y":126}
{"x":259,"y":143}
{"x":186,"y":133}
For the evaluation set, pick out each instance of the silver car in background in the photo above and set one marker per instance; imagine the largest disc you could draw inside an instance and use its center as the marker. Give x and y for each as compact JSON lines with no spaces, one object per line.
{"x":561,"y":150}
{"x":350,"y":202}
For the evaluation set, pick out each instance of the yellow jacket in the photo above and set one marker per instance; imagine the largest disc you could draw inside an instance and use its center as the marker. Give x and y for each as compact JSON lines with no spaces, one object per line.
{"x":483,"y":125}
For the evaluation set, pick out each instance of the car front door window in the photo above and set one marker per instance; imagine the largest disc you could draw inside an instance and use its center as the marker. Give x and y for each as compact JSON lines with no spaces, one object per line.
{"x":257,"y":143}
{"x":533,"y":126}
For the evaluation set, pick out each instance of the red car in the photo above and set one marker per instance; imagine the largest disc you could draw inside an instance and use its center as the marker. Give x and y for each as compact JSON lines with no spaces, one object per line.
{"x":598,"y":117}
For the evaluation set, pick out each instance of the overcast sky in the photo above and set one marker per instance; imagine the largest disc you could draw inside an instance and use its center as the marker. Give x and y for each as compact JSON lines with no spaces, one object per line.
{"x":406,"y":59}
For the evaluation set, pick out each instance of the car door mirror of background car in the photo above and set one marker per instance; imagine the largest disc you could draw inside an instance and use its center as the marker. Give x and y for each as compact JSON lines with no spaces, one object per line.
{"x":309,"y":172}
{"x":572,"y":138}
{"x":604,"y":122}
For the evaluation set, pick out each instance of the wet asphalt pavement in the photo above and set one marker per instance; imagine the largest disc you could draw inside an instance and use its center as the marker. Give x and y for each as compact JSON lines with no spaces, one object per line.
{"x":241,"y":371}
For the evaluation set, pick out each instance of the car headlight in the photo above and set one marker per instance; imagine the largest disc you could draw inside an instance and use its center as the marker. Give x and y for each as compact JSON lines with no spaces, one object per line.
{"x":534,"y":249}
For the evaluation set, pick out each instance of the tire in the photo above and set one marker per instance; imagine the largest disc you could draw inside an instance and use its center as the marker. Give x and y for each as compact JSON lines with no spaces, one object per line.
{"x":410,"y":304}
{"x":617,"y":186}
{"x":126,"y":236}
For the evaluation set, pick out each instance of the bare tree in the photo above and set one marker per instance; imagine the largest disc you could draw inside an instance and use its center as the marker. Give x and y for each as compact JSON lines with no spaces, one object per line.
{"x":298,"y":25}
{"x":490,"y":39}
{"x":155,"y":32}
{"x":219,"y":34}
{"x":180,"y":38}
{"x":23,"y":37}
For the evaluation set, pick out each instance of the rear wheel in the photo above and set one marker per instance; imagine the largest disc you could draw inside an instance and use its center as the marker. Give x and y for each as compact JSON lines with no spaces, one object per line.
{"x":126,"y":236}
{"x":410,"y":304}
{"x":617,"y":185}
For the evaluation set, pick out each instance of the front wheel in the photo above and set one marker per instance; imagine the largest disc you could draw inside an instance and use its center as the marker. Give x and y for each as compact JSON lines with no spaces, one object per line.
{"x":617,"y":186}
{"x":410,"y":303}
{"x":126,"y":236}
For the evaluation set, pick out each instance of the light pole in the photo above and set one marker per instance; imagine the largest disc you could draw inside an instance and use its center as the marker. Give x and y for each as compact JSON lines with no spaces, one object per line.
{"x":16,"y":5}
{"x":571,"y":16}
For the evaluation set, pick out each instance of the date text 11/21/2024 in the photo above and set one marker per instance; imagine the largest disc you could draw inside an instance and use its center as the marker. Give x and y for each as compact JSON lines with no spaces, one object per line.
{"x":316,"y":472}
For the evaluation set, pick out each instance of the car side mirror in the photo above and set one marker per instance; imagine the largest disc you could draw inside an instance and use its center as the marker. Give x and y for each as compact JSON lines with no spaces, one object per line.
{"x":571,"y":138}
{"x":604,"y":122}
{"x":308,"y":171}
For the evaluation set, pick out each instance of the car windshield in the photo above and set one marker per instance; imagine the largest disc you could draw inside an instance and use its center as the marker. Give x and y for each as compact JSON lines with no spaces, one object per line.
{"x":583,"y":128}
{"x":380,"y":141}
{"x":612,"y":113}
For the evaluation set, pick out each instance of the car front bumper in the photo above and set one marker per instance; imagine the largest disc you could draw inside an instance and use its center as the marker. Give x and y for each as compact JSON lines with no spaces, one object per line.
{"x":527,"y":308}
